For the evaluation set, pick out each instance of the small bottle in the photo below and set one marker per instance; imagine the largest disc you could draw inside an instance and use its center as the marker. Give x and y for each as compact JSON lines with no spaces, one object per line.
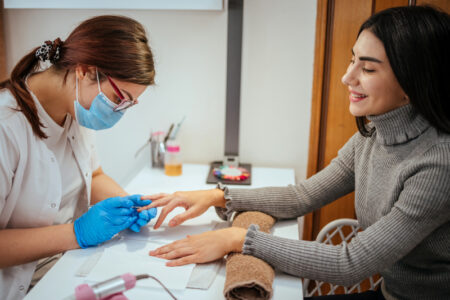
{"x":172,"y":159}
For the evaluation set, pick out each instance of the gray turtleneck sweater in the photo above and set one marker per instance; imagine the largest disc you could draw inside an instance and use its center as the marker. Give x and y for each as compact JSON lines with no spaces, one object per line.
{"x":401,"y":179}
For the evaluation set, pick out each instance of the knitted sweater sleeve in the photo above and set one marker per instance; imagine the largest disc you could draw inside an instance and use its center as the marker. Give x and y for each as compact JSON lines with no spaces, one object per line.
{"x":336,"y":180}
{"x":422,"y":207}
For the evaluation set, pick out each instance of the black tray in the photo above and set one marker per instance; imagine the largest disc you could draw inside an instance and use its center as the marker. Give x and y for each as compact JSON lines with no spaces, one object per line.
{"x":213,"y":179}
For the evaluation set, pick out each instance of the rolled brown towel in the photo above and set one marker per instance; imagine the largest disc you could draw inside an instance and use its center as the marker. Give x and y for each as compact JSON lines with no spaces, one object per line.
{"x":248,"y":277}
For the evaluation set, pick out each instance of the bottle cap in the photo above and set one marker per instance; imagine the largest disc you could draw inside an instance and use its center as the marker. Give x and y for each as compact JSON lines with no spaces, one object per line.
{"x":172,"y":146}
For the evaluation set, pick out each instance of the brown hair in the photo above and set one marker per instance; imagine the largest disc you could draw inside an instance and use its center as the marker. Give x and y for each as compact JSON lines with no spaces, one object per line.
{"x":116,"y":45}
{"x":415,"y":39}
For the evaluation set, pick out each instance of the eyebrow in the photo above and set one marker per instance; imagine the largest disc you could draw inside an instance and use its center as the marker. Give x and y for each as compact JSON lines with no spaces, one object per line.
{"x":367,"y":58}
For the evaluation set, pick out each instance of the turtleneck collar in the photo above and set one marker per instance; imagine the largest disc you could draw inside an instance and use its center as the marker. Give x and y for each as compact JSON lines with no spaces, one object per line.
{"x":399,"y":125}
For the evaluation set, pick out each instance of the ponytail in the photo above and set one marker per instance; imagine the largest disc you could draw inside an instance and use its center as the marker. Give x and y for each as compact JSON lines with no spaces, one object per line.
{"x":16,"y":84}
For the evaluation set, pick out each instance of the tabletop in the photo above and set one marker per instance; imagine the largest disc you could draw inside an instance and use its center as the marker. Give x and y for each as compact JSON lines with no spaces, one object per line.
{"x":61,"y":280}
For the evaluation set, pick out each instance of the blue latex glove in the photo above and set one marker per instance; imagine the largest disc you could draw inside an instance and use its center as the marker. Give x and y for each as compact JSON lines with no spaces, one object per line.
{"x":143,"y":218}
{"x":107,"y":218}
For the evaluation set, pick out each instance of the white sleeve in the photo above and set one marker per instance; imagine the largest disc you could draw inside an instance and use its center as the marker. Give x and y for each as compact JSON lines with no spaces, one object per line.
{"x":9,"y":158}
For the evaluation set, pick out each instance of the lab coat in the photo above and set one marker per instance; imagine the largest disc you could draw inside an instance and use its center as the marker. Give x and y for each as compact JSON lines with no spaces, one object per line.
{"x":30,"y":183}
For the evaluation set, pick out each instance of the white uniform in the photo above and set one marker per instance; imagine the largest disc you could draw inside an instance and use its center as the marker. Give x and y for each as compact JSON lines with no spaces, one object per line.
{"x":42,"y":182}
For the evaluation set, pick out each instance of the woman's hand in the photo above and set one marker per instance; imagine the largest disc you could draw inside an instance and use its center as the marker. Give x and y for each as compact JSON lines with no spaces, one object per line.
{"x":106,"y":218}
{"x":202,"y":248}
{"x":195,"y":203}
{"x":143,"y":218}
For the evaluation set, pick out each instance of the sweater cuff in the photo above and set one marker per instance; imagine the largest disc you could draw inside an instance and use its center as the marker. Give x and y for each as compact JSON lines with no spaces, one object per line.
{"x":227,"y":212}
{"x":249,"y":242}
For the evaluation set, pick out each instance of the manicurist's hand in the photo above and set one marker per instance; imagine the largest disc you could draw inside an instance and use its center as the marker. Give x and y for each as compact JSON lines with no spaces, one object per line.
{"x":143,"y":218}
{"x":202,"y":248}
{"x":106,"y":218}
{"x":195,"y":203}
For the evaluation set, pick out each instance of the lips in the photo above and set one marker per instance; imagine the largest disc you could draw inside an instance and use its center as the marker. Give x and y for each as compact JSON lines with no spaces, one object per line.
{"x":356,"y":97}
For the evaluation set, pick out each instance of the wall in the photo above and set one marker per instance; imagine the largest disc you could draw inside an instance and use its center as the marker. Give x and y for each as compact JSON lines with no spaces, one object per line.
{"x":190,"y":57}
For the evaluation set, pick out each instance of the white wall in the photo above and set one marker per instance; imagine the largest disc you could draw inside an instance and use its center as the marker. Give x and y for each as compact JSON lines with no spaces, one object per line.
{"x":190,"y":56}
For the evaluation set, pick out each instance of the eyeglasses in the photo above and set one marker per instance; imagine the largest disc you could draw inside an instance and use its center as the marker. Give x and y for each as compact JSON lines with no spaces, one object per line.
{"x":124,"y":103}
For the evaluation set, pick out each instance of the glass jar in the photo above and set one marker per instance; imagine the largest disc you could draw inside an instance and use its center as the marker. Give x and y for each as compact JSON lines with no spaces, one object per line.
{"x":172,"y":159}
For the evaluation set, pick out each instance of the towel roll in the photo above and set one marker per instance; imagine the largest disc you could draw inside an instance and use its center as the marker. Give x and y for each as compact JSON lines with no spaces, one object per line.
{"x":248,"y":277}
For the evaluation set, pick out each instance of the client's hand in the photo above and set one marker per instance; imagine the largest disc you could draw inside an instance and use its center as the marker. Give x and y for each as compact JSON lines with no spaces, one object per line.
{"x":202,"y":248}
{"x":195,"y":203}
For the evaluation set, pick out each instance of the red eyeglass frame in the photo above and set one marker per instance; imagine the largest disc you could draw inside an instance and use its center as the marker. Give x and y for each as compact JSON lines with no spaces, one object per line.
{"x":124,"y":102}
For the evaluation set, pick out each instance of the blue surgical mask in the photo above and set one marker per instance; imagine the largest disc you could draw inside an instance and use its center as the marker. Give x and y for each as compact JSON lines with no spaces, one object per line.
{"x":100,"y":115}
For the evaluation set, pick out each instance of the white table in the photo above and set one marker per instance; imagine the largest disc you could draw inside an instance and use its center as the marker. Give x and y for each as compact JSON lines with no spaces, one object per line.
{"x":60,"y":281}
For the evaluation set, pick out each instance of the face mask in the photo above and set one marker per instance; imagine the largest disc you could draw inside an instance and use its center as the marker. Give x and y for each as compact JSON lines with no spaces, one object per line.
{"x":100,"y":115}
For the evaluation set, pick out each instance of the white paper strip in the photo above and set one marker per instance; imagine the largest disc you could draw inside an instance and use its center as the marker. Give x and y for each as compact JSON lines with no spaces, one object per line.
{"x":114,"y":263}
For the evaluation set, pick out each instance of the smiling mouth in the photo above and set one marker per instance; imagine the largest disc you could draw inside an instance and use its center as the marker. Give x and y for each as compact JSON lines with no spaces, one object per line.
{"x":356,"y":97}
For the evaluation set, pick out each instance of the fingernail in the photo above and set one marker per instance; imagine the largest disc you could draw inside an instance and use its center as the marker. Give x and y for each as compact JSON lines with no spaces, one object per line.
{"x":172,"y":223}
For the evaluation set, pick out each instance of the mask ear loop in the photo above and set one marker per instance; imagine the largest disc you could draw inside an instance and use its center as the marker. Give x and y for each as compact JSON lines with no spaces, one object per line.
{"x":76,"y":97}
{"x":76,"y":87}
{"x":98,"y":81}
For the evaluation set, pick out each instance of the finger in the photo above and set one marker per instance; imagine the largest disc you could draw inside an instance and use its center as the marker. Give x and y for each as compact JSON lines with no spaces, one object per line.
{"x":135,"y":227}
{"x":159,"y":202}
{"x":137,"y":200}
{"x":164,"y":212}
{"x":141,"y":222}
{"x":167,"y":248}
{"x":126,"y":224}
{"x":117,"y":202}
{"x":120,"y":211}
{"x":134,"y":197}
{"x":180,"y":218}
{"x":120,"y":220}
{"x":190,"y":259}
{"x":143,"y":218}
{"x":145,"y":215}
{"x":178,"y":253}
{"x":126,"y":202}
{"x":154,"y":197}
{"x":151,"y":213}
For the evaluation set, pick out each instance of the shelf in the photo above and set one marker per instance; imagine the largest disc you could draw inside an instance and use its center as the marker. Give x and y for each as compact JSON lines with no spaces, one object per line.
{"x":108,"y":4}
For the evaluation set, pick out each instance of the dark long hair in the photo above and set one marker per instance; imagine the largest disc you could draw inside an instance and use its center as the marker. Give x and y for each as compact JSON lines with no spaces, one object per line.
{"x":116,"y":45}
{"x":416,"y":41}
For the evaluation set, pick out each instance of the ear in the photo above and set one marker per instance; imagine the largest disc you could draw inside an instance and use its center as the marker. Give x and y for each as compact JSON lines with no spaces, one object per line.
{"x":81,"y":71}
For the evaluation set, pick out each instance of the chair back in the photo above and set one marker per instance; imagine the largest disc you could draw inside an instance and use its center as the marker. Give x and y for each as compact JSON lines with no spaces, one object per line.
{"x":335,"y":233}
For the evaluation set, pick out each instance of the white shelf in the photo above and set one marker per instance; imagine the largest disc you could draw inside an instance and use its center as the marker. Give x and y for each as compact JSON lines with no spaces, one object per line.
{"x":108,"y":4}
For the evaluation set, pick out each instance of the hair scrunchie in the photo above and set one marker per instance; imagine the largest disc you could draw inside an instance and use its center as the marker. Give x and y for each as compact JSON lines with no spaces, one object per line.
{"x":49,"y":51}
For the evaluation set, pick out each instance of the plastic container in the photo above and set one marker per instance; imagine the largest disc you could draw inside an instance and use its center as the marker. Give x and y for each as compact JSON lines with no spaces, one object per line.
{"x":157,"y":149}
{"x":173,"y":165}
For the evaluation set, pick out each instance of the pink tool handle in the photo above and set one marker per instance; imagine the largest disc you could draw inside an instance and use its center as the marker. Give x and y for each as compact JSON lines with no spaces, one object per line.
{"x":85,"y":292}
{"x":130,"y":280}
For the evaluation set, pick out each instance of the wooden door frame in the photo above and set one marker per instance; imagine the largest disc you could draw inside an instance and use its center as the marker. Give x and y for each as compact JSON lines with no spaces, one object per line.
{"x":3,"y":74}
{"x":319,"y":91}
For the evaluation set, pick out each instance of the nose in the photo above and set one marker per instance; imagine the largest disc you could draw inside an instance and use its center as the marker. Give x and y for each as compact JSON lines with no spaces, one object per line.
{"x":350,"y":78}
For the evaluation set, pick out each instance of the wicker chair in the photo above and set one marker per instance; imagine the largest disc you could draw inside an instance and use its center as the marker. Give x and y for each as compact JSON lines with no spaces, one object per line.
{"x":334,"y":233}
